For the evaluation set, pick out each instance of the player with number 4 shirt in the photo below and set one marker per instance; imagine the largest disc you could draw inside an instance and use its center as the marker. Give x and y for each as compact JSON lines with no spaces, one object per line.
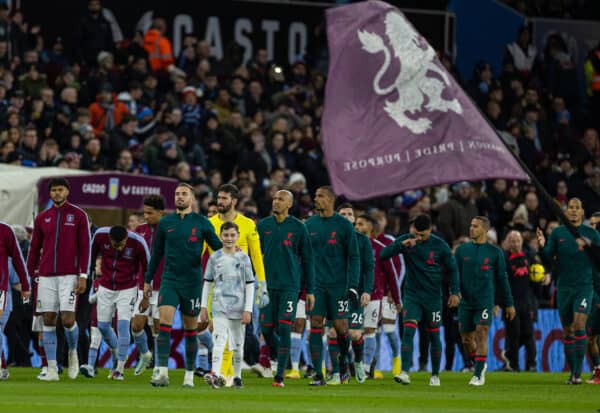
{"x":427,"y":258}
{"x":575,"y":282}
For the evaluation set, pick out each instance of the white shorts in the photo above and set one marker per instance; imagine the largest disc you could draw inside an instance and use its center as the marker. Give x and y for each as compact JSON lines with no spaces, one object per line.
{"x":301,"y":309}
{"x":388,"y":311}
{"x":121,"y":300}
{"x":57,"y":293}
{"x":152,"y":310}
{"x":229,"y":331}
{"x":371,"y":313}
{"x":37,"y":324}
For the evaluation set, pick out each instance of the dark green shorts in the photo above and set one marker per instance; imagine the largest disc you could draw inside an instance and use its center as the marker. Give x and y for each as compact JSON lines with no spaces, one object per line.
{"x":418,"y":310}
{"x":593,"y":322}
{"x":281,"y":308}
{"x":187,"y":297}
{"x":570,"y":302}
{"x":356,"y":318}
{"x":469,"y":317}
{"x":331,"y":303}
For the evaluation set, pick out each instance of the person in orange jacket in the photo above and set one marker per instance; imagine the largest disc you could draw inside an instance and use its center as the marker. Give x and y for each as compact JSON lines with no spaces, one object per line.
{"x":107,"y":112}
{"x":159,"y":47}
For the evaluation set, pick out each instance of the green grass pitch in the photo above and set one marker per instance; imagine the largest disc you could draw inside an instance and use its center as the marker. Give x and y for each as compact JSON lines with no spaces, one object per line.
{"x":503,"y":392}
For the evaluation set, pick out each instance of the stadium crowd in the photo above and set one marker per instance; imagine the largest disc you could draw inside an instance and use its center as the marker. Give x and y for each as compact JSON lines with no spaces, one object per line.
{"x":134,"y":107}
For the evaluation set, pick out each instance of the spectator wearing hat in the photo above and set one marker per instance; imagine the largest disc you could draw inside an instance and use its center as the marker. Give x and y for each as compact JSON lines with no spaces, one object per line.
{"x":169,"y":156}
{"x":455,"y":215}
{"x":71,"y":160}
{"x":191,"y":111}
{"x":105,"y":72}
{"x":106,"y":112}
{"x":146,"y":124}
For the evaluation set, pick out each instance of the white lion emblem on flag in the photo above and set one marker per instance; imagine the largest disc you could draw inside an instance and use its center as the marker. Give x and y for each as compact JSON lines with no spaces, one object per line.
{"x":412,"y":84}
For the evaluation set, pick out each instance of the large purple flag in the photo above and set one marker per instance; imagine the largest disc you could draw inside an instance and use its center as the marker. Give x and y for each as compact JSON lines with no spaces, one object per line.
{"x":394,"y":118}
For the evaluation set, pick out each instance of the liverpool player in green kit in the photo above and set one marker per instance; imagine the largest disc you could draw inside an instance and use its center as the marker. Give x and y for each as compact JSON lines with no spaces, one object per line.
{"x":427,"y":257}
{"x":179,"y":238}
{"x":288,"y":259}
{"x":482,"y":268}
{"x":355,"y":315}
{"x":337,"y":267}
{"x":574,"y":282}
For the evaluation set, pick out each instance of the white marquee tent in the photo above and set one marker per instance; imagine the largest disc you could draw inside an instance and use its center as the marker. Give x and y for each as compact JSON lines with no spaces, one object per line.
{"x":19,"y":192}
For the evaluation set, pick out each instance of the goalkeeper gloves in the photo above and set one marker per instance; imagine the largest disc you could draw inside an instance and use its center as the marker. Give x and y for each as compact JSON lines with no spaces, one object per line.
{"x":262,"y":295}
{"x":353,"y":297}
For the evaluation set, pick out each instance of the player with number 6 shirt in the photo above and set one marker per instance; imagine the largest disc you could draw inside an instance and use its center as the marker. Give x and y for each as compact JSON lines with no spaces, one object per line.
{"x":482,"y":268}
